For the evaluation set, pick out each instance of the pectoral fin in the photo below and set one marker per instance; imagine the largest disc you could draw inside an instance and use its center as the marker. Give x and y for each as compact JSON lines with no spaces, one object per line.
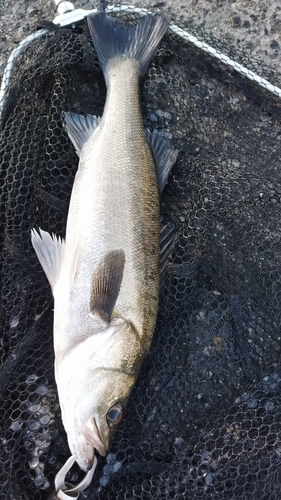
{"x":106,"y":283}
{"x":164,"y":156}
{"x":80,"y":128}
{"x":50,"y":252}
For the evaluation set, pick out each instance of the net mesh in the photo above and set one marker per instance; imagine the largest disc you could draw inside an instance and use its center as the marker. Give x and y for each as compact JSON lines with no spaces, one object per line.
{"x":204,"y":418}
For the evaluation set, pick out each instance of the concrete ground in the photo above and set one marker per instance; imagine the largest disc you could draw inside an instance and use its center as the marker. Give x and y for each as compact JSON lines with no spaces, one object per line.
{"x":251,"y":27}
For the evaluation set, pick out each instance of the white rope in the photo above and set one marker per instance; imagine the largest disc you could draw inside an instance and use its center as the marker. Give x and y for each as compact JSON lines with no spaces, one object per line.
{"x":226,"y":60}
{"x":261,"y":82}
{"x":10,"y":64}
{"x":206,"y":48}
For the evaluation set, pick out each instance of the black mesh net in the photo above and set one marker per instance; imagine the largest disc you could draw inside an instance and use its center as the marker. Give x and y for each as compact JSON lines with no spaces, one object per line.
{"x":204,"y":418}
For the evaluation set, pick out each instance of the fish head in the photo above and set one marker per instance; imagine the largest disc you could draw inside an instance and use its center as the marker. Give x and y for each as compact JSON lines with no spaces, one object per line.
{"x":94,"y":384}
{"x":107,"y":409}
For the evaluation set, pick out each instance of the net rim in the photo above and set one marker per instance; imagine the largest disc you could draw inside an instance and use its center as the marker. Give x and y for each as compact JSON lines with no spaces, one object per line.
{"x":70,"y":18}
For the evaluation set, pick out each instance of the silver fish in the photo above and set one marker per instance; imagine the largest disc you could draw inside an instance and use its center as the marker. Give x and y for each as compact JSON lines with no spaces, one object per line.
{"x":105,"y":275}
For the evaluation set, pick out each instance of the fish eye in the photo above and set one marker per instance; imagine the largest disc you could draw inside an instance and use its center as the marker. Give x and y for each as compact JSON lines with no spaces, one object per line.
{"x":114,"y":414}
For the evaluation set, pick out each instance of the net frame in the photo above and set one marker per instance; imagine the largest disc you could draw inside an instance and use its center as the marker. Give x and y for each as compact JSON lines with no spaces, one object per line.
{"x":208,"y":272}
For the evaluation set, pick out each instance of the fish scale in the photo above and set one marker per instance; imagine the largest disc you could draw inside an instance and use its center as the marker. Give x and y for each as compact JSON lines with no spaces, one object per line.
{"x":105,"y":276}
{"x":111,"y":191}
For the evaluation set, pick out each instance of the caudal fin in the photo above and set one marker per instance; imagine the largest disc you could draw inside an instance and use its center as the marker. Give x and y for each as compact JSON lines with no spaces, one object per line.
{"x":111,"y":39}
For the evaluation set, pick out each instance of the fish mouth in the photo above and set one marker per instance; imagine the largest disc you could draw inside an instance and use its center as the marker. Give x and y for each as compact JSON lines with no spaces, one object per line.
{"x":86,"y":463}
{"x":91,"y":432}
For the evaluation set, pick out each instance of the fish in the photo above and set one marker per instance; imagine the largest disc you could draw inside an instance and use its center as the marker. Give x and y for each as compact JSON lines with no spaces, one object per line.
{"x":105,"y":275}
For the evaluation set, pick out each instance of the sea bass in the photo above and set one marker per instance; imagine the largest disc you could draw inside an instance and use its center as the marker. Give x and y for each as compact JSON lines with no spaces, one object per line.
{"x":105,"y":275}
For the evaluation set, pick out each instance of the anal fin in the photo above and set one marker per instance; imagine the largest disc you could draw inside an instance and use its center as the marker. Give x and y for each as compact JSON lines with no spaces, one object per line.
{"x":80,"y":128}
{"x":106,"y":283}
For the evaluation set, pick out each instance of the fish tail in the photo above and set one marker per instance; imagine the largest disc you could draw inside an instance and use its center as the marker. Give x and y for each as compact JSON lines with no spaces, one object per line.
{"x":111,"y":39}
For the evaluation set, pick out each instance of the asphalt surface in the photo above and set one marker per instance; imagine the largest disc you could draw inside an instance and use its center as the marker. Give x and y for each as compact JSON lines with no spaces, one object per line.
{"x":252,"y":28}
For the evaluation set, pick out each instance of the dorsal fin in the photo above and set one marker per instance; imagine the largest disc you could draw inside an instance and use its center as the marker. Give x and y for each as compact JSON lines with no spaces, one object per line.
{"x":168,"y":238}
{"x":164,"y":156}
